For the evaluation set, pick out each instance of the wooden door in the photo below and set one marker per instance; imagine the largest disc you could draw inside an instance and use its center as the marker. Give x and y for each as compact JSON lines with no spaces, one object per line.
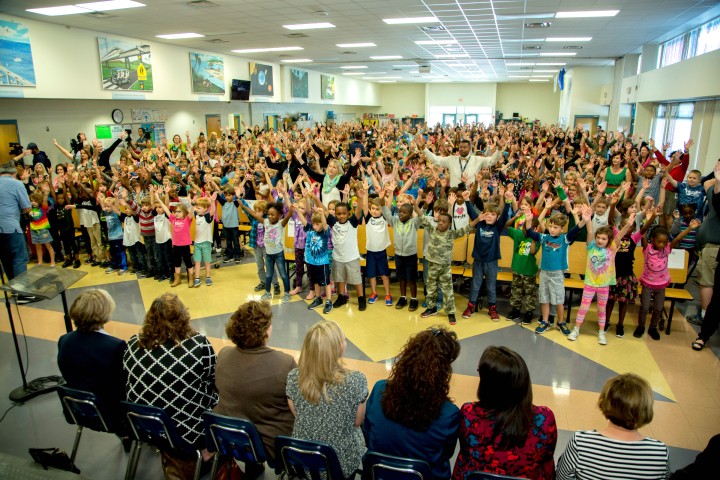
{"x":213,"y":124}
{"x":8,"y":134}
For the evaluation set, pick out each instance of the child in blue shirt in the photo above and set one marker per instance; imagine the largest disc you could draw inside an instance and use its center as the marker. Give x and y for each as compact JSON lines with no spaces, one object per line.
{"x":317,"y":258}
{"x":690,"y":191}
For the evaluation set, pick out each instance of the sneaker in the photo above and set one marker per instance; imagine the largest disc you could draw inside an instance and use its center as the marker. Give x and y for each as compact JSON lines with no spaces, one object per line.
{"x":286,"y":298}
{"x":601,"y":337}
{"x":89,"y":260}
{"x":315,"y":303}
{"x":95,"y":264}
{"x":653,"y":333}
{"x":527,"y":318}
{"x":266,"y":296}
{"x":110,"y":270}
{"x":196,"y":282}
{"x":67,"y":263}
{"x":429,"y":312}
{"x":468,"y":311}
{"x":401,"y":303}
{"x":328,"y":307}
{"x":76,"y":264}
{"x":218,"y":250}
{"x":227,"y":260}
{"x":259,"y":287}
{"x":542,"y":327}
{"x":619,"y":331}
{"x":696,"y":319}
{"x":639,"y":332}
{"x":564,"y":329}
{"x":142,"y":274}
{"x":339,"y":301}
{"x":237,"y":260}
{"x":372,"y":298}
{"x":208,"y":282}
{"x":388,"y":301}
{"x":576,"y":333}
{"x":123,"y":271}
{"x":492,"y":311}
{"x":276,"y":289}
{"x":362,"y":304}
{"x":413,"y":305}
{"x":514,"y":314}
{"x":105,"y":264}
{"x":451,"y":319}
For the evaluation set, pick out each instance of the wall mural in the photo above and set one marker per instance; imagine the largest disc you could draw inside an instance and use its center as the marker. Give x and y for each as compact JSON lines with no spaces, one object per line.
{"x":327,"y":86}
{"x":299,"y":83}
{"x":125,"y":64}
{"x":207,"y":73}
{"x":261,"y":79}
{"x":16,"y":62}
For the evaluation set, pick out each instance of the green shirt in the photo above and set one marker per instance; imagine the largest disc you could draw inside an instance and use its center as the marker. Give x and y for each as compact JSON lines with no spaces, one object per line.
{"x":523,"y":262}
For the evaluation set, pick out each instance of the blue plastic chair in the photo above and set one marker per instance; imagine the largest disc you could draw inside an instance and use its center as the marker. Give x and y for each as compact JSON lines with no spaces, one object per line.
{"x":307,"y":460}
{"x":83,"y":409}
{"x":151,"y":425}
{"x":378,"y":466}
{"x":491,"y":476}
{"x":233,"y":437}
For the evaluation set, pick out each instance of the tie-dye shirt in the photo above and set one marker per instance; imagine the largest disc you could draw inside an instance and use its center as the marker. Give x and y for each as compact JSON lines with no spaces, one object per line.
{"x":600,"y":270}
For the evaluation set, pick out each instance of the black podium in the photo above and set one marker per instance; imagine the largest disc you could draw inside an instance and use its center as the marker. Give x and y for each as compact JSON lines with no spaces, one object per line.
{"x":45,"y":283}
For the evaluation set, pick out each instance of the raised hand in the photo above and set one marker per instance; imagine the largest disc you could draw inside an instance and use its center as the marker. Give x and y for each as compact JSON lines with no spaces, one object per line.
{"x":689,"y":144}
{"x":694,"y":223}
{"x":429,"y":196}
{"x":451,"y":198}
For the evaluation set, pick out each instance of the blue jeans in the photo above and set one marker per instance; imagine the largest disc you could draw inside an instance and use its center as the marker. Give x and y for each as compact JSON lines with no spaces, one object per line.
{"x":13,"y":254}
{"x":272,"y":261}
{"x":426,"y":266}
{"x":490,"y":271}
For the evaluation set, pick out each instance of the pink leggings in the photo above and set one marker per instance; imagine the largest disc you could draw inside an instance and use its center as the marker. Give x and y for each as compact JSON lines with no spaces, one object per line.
{"x":587,"y":297}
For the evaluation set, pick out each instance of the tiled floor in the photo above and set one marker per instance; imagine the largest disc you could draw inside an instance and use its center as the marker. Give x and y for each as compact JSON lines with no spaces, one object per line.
{"x":567,"y":376}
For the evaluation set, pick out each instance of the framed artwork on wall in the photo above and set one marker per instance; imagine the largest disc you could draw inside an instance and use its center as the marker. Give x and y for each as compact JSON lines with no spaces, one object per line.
{"x":327,"y":87}
{"x":207,"y":73}
{"x":261,"y":79}
{"x":125,"y":65}
{"x":299,"y":83}
{"x":16,"y":61}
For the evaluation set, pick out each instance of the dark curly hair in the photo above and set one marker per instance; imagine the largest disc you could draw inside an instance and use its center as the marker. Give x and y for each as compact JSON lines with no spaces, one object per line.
{"x":167,"y":319}
{"x":248,"y":326}
{"x":420,"y":379}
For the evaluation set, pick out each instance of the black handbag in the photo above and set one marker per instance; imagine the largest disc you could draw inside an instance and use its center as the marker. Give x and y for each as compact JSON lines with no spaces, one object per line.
{"x":53,"y":457}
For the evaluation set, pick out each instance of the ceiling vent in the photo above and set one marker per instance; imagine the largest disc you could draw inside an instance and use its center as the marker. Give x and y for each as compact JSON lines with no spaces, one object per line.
{"x":101,"y":15}
{"x":295,"y":35}
{"x":201,"y":4}
{"x":538,"y":25}
{"x":216,"y":40}
{"x":472,"y":69}
{"x":433,"y":28}
{"x":348,"y":52}
{"x":532,"y":47}
{"x":572,"y":47}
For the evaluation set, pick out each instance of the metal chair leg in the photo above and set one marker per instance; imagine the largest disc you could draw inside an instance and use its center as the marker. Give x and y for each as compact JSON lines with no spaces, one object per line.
{"x":216,"y":462}
{"x":133,"y":460}
{"x":76,"y":445}
{"x":198,"y":465}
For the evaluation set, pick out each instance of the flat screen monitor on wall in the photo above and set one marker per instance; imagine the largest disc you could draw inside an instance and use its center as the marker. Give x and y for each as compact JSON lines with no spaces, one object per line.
{"x":240,"y":90}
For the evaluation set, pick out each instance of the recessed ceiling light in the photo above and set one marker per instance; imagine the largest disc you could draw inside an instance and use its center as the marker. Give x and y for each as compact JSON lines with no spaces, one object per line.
{"x":57,"y":11}
{"x":452,"y":55}
{"x":353,"y":67}
{"x":110,"y":5}
{"x":520,"y":55}
{"x":521,"y":16}
{"x":387,"y":57}
{"x":355,"y":45}
{"x":433,"y":28}
{"x":381,"y":78}
{"x":297,"y":60}
{"x":309,"y":26}
{"x":538,"y":25}
{"x":557,"y":64}
{"x":588,"y":14}
{"x":178,"y":36}
{"x":409,"y":20}
{"x":519,"y":64}
{"x":405,"y":66}
{"x":544,"y":71}
{"x":541,"y":76}
{"x":538,"y":80}
{"x":518,"y":76}
{"x":518,"y":40}
{"x":353,"y":73}
{"x":436,"y":42}
{"x":272,"y":49}
{"x":558,"y":54}
{"x":568,"y":39}
{"x":387,"y":81}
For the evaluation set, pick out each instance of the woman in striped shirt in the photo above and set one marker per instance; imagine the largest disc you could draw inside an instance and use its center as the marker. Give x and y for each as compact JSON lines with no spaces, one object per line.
{"x":618,"y":451}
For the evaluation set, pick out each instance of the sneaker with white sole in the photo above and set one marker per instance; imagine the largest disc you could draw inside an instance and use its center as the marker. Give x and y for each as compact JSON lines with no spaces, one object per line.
{"x":286,"y":298}
{"x":575,"y":334}
{"x":328,"y":307}
{"x":266,"y":296}
{"x":601,"y":338}
{"x":542,"y":327}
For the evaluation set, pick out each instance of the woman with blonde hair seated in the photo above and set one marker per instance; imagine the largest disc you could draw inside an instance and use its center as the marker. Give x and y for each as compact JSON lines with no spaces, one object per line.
{"x":171,"y":366}
{"x":618,"y":451}
{"x":328,"y":400}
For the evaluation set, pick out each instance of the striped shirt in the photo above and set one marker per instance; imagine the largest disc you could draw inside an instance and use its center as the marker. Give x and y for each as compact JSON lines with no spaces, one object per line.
{"x":592,"y":456}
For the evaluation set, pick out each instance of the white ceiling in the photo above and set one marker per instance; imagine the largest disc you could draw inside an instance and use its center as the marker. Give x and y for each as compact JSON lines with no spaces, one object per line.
{"x":489,"y":43}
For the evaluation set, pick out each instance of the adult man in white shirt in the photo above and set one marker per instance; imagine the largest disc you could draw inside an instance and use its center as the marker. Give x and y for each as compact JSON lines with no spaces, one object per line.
{"x":464,"y":163}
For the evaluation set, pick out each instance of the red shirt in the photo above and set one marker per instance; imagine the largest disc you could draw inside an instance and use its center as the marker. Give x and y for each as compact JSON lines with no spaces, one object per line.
{"x":678,"y":173}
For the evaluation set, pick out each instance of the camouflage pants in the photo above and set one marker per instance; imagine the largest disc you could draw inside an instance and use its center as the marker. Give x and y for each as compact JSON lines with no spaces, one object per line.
{"x":523,"y":293}
{"x":440,"y":276}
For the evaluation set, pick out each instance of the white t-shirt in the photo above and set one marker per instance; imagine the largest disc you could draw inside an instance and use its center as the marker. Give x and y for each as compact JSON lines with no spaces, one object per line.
{"x":203,"y":228}
{"x":377,"y":236}
{"x":344,"y":238}
{"x":131,"y":232}
{"x":162,"y":228}
{"x":274,"y":237}
{"x":460,"y":216}
{"x":600,"y":220}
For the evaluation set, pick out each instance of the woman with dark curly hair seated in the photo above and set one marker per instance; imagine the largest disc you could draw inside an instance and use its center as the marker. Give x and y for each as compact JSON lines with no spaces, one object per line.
{"x":171,"y":366}
{"x":251,"y":377}
{"x":503,"y":432}
{"x":410,"y":414}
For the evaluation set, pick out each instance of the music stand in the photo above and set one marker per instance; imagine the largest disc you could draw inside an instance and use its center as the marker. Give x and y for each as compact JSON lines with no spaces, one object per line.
{"x":46,"y":283}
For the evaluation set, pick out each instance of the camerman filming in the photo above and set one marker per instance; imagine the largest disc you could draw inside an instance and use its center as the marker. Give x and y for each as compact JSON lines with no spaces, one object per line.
{"x":38,"y":156}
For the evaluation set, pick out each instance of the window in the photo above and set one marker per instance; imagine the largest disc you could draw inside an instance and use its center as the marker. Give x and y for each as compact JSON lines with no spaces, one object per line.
{"x":672,"y":124}
{"x":701,"y":40}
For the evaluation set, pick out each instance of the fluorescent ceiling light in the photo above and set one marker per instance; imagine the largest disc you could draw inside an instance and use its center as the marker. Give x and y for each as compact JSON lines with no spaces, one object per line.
{"x":273,"y":49}
{"x":520,"y":55}
{"x":353,"y":67}
{"x":521,"y":16}
{"x":387,"y":81}
{"x":353,"y":73}
{"x":519,"y":40}
{"x":57,"y":11}
{"x":538,"y":80}
{"x":541,"y":76}
{"x":409,"y":20}
{"x":178,"y":36}
{"x":412,"y":65}
{"x":297,"y":60}
{"x":544,"y":71}
{"x":436,"y":42}
{"x":453,"y":55}
{"x":309,"y":26}
{"x":381,"y":78}
{"x":518,"y":76}
{"x":355,"y":45}
{"x":519,"y":64}
{"x":387,"y":57}
{"x":568,"y":39}
{"x":110,"y":5}
{"x":557,"y":64}
{"x":588,"y":14}
{"x":558,"y":54}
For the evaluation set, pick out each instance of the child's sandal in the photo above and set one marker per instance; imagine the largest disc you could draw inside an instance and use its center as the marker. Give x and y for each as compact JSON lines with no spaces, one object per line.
{"x":698,"y":344}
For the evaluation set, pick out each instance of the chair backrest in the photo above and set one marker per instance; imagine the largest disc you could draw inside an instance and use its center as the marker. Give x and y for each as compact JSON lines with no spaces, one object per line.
{"x":577,"y":258}
{"x":361,"y":239}
{"x":153,"y":426}
{"x":491,"y":476}
{"x":420,"y":242}
{"x":507,"y":247}
{"x":459,"y":251}
{"x":307,"y":460}
{"x":387,"y":467}
{"x":83,"y":408}
{"x":289,"y":239}
{"x":234,"y":437}
{"x":391,"y":248}
{"x":677,"y":275}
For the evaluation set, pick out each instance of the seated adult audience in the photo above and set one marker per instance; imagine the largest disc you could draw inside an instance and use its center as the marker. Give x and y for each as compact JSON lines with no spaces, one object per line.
{"x":171,"y":366}
{"x":328,"y":400}
{"x":410,"y":414}
{"x":706,"y":464}
{"x":503,"y":432}
{"x":618,"y":451}
{"x":251,"y":377}
{"x":90,"y":359}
